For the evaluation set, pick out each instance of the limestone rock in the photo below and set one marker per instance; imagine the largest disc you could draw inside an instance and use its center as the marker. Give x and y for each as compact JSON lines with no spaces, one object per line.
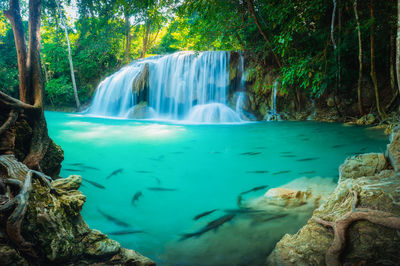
{"x":366,"y":120}
{"x":98,"y":245}
{"x":393,"y":149}
{"x":378,"y":188}
{"x":287,"y":197}
{"x":362,"y":165}
{"x":330,"y":102}
{"x":72,"y":182}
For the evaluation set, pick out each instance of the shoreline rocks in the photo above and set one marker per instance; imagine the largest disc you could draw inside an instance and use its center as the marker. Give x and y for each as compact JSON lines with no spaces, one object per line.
{"x":377,"y":186}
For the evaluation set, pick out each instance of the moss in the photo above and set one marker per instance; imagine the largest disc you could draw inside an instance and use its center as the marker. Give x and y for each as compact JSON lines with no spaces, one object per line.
{"x":51,"y":163}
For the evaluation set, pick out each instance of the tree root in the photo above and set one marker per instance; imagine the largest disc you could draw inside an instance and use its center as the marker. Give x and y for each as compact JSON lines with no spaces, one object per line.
{"x":18,"y":205}
{"x":340,"y":226}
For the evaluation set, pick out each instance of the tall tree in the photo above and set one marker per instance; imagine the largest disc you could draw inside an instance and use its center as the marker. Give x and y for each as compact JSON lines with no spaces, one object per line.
{"x":398,"y":45}
{"x":360,"y":54}
{"x":31,"y":88}
{"x":381,"y":112}
{"x":71,"y":64}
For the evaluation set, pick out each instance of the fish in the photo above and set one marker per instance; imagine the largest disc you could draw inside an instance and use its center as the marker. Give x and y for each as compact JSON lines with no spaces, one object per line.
{"x":75,"y":164}
{"x":143,"y":172}
{"x":158,"y":180}
{"x":263,"y":220}
{"x":363,"y":149}
{"x":288,"y":155}
{"x":337,"y":146}
{"x":258,"y":172}
{"x":128,"y":232}
{"x":239,"y":200}
{"x":203,"y":214}
{"x":305,"y":139}
{"x":136,"y":197}
{"x":95,"y":184}
{"x":254,"y":189}
{"x":113,"y":219}
{"x":307,"y":173}
{"x":286,"y":152}
{"x":118,"y":171}
{"x":210,"y":226}
{"x":250,"y":153}
{"x":90,"y":168}
{"x":73,"y":170}
{"x":161,"y":189}
{"x":281,"y":172}
{"x":159,"y":158}
{"x":308,"y":159}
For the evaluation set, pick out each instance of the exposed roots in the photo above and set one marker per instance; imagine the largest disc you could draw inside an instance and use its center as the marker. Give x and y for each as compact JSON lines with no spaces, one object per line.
{"x":340,"y":226}
{"x":18,"y":204}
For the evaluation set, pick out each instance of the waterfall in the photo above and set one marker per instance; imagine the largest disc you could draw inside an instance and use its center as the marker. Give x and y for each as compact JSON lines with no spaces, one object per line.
{"x":273,"y":115}
{"x":181,"y":86}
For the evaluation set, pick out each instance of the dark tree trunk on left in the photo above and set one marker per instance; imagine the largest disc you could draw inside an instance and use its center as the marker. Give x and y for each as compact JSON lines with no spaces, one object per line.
{"x":24,"y":131}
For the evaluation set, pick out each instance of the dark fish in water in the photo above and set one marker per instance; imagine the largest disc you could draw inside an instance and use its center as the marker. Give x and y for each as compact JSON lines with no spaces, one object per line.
{"x":307,"y":173}
{"x":90,"y":168}
{"x":305,"y":139}
{"x":337,"y":146}
{"x":143,"y":172}
{"x":286,"y":152}
{"x":307,"y":159}
{"x":242,"y":211}
{"x":250,"y":153}
{"x":254,"y":189}
{"x":158,"y":180}
{"x":129,"y":232}
{"x":204,"y":214}
{"x":73,"y":170}
{"x":282,"y":172}
{"x":116,"y":172}
{"x":161,"y":189}
{"x":288,"y":155}
{"x":95,"y":184}
{"x":257,"y":172}
{"x":363,"y":149}
{"x":263,"y":220}
{"x":239,"y":200}
{"x":214,"y":152}
{"x":113,"y":219}
{"x":136,"y":197}
{"x":210,"y":226}
{"x":76,"y":164}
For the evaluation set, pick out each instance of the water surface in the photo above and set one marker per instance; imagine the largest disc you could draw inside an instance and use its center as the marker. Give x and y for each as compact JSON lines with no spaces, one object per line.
{"x":206,"y":166}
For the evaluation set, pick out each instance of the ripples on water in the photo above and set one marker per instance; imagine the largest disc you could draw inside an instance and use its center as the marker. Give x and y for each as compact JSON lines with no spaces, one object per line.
{"x":199,"y":168}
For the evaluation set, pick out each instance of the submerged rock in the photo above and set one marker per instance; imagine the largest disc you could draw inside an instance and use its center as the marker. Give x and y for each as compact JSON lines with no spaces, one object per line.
{"x":377,"y":187}
{"x":54,"y":229}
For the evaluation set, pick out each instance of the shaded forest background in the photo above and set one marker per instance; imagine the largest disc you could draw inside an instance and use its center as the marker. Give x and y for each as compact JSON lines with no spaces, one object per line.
{"x":313,"y":46}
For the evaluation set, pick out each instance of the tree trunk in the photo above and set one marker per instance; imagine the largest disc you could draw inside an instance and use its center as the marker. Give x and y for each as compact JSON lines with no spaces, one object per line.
{"x":14,"y":16}
{"x":360,"y":71}
{"x":392,"y":62}
{"x":253,"y":12}
{"x":145,"y":38}
{"x":71,"y":65}
{"x":33,"y":62}
{"x":128,"y":38}
{"x":36,"y":142}
{"x":381,"y":112}
{"x":398,"y":45}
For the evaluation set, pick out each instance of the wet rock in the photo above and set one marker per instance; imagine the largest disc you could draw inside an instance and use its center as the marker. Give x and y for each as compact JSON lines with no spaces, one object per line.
{"x":330,"y":102}
{"x":141,"y":111}
{"x":378,"y":188}
{"x":362,"y":165}
{"x":287,"y":197}
{"x":393,"y":149}
{"x":59,"y":235}
{"x":366,"y":120}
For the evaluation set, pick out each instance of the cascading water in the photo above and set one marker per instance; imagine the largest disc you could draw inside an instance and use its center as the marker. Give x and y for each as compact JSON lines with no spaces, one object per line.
{"x":273,"y":115}
{"x":181,"y":86}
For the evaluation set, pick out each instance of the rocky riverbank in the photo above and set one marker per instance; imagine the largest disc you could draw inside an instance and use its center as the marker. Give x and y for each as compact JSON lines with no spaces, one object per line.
{"x":364,"y":211}
{"x":42,"y":225}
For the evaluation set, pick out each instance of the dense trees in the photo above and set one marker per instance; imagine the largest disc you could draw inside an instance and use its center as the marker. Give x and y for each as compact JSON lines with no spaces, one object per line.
{"x":294,"y":40}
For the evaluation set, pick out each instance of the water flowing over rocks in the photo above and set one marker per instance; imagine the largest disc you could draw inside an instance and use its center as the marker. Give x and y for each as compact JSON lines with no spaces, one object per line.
{"x":45,"y":226}
{"x":369,"y":187}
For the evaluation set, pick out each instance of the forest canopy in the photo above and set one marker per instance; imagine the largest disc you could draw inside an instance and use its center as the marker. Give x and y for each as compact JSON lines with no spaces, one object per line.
{"x":314,"y":46}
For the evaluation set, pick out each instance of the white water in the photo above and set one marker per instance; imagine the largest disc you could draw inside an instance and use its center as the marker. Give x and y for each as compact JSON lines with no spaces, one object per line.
{"x":182,"y":86}
{"x":273,"y":115}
